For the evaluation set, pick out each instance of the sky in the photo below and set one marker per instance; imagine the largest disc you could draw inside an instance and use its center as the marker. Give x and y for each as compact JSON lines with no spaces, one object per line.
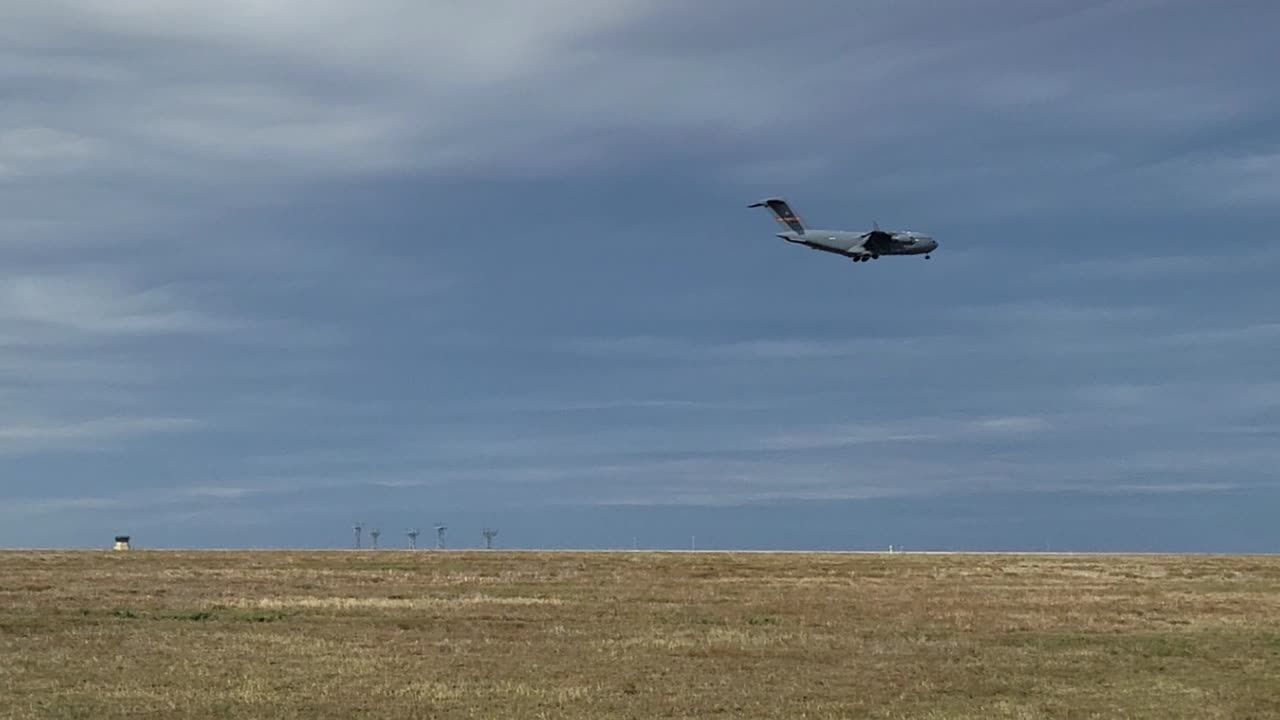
{"x":268,"y":269}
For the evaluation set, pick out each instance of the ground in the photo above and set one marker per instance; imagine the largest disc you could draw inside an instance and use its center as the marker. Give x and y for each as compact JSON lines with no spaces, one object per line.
{"x":492,"y":634}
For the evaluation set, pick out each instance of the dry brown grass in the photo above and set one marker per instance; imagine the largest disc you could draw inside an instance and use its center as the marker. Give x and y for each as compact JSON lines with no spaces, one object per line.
{"x":401,"y":634}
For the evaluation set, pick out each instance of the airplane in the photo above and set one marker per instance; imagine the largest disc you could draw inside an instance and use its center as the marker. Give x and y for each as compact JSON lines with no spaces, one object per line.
{"x":859,"y":246}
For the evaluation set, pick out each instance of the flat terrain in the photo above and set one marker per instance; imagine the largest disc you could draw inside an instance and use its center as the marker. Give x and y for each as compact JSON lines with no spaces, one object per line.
{"x":417,"y":634}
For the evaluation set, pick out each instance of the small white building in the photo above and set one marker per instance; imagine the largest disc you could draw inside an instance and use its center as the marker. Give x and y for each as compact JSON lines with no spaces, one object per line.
{"x":122,"y":542}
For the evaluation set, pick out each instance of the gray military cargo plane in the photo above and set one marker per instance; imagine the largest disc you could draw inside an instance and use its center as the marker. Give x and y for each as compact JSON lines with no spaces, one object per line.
{"x":860,"y":246}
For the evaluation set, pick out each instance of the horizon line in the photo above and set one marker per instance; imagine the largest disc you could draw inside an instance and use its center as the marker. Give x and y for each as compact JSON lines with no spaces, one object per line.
{"x":636,"y":551}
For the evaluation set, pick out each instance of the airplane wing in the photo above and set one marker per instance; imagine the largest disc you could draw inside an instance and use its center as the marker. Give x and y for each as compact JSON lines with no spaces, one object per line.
{"x":877,"y":241}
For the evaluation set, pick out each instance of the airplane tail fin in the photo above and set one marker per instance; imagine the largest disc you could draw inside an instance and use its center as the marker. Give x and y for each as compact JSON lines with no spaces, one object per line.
{"x":782,"y":212}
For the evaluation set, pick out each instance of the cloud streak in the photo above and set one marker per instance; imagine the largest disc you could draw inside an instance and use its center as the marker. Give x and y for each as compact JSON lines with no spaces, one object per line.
{"x":20,"y":436}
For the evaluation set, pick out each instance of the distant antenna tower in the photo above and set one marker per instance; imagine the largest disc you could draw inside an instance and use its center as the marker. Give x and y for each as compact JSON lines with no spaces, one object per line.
{"x":374,"y":533}
{"x":488,"y":537}
{"x":413,"y":538}
{"x":357,"y":528}
{"x":440,"y":536}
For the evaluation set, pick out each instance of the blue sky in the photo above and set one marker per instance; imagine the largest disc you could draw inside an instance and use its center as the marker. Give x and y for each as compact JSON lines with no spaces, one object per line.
{"x":272,"y":268}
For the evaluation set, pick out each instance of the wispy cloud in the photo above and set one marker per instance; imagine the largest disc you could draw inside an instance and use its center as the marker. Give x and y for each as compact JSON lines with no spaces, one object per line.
{"x":37,"y":152}
{"x":912,"y":431}
{"x":94,"y":305}
{"x":349,"y":90}
{"x":1235,"y":180}
{"x":1148,"y":265}
{"x":296,"y":88}
{"x":20,"y":436}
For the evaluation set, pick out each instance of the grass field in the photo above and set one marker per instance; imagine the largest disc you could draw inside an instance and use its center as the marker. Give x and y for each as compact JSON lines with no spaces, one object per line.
{"x":402,"y":634}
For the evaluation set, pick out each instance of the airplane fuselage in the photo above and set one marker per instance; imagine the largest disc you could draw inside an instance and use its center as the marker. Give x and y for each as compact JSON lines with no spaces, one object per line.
{"x":872,"y":243}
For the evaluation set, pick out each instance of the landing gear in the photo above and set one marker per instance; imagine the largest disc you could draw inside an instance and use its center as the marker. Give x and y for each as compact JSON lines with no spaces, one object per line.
{"x":926,"y":257}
